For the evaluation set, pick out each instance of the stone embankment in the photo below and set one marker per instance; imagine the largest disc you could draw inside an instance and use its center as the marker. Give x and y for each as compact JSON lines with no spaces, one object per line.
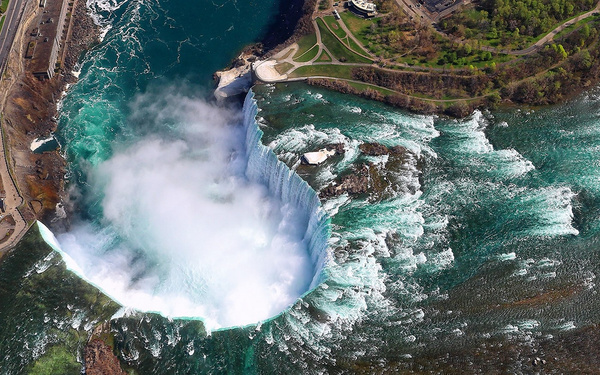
{"x":29,"y":112}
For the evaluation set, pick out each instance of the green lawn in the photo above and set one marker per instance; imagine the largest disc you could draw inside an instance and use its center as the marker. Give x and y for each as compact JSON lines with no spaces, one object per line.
{"x":2,"y":21}
{"x":305,"y":43}
{"x":336,"y":71}
{"x":337,"y":48}
{"x":3,"y":6}
{"x":335,"y":26}
{"x":358,"y":26}
{"x":324,"y":57}
{"x":356,"y":47}
{"x":309,"y":55}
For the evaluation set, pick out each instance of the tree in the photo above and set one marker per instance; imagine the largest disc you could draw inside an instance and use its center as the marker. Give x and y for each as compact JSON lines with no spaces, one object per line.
{"x":561,"y":51}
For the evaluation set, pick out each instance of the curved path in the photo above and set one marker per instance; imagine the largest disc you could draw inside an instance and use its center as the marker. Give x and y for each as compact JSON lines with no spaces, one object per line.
{"x":550,"y":36}
{"x":266,"y":71}
{"x":12,"y":201}
{"x":537,"y":45}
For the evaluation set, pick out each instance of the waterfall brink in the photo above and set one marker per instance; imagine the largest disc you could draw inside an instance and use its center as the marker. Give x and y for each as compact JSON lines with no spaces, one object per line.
{"x":264,"y":168}
{"x":261,"y":242}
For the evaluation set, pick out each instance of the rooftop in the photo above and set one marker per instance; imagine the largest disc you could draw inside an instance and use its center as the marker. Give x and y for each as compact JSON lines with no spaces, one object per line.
{"x":364,"y":5}
{"x":48,"y":30}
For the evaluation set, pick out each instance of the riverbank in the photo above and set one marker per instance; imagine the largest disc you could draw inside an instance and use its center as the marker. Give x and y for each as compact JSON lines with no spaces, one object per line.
{"x":343,"y":54}
{"x":29,"y":112}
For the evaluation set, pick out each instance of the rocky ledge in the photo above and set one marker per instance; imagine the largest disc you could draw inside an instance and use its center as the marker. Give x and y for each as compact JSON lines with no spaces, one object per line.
{"x":378,"y":180}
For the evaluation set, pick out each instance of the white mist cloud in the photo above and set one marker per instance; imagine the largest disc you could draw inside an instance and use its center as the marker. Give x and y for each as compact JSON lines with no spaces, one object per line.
{"x":183,"y":232}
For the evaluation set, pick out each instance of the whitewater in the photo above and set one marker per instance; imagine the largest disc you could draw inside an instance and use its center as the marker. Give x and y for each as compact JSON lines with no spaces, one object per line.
{"x":477,"y":253}
{"x":208,"y":225}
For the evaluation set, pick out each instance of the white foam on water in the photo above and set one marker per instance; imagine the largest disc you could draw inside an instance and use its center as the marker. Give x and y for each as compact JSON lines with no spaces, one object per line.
{"x":190,"y":229}
{"x":468,"y":138}
{"x":306,"y":138}
{"x":553,"y":211}
{"x":507,"y":256}
{"x":566,"y":326}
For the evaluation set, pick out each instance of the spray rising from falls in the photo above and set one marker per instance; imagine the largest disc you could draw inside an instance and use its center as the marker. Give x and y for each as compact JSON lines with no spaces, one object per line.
{"x":206,"y":224}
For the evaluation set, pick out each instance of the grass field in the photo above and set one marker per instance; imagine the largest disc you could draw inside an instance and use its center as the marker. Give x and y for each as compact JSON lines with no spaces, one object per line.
{"x":3,"y":6}
{"x":335,"y":26}
{"x":305,"y":43}
{"x":283,"y":67}
{"x":324,"y":57}
{"x":336,"y":71}
{"x":309,"y":55}
{"x":337,"y":48}
{"x":357,"y":25}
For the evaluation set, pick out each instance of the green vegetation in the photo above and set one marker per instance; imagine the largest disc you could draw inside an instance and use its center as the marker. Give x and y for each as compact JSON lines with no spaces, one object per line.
{"x":324,"y":57}
{"x":335,"y":26}
{"x":3,"y":6}
{"x":358,"y":26}
{"x":365,"y":86}
{"x":337,"y":48}
{"x":57,"y":360}
{"x":337,"y":71}
{"x":513,"y":24}
{"x":45,"y":305}
{"x":577,"y":25}
{"x":309,"y":55}
{"x":2,"y":18}
{"x":355,"y":47}
{"x":287,"y":54}
{"x":464,"y":65}
{"x":305,"y":43}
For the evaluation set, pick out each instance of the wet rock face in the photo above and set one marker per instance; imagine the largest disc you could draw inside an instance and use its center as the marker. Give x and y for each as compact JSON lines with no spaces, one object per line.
{"x":373,"y":149}
{"x":354,"y":184}
{"x":379,"y":181}
{"x":377,"y":149}
{"x":100,"y":360}
{"x":337,"y":147}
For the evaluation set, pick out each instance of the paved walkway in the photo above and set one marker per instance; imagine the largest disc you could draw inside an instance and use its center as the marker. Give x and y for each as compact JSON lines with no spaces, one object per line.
{"x":550,"y":36}
{"x":520,"y":52}
{"x":266,"y":71}
{"x":12,"y":199}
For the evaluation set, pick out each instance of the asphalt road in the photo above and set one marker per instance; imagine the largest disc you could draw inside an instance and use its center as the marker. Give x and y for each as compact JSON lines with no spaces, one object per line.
{"x":9,"y":29}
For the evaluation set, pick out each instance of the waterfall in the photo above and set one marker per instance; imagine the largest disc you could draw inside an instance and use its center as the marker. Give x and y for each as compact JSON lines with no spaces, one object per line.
{"x":247,"y":265}
{"x":283,"y":183}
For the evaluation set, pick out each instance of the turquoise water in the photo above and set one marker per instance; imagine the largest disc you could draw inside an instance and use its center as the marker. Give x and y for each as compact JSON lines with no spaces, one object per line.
{"x":480,"y":253}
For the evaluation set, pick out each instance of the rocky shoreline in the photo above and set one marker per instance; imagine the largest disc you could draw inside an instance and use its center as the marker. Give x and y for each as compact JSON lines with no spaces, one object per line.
{"x":30,"y":112}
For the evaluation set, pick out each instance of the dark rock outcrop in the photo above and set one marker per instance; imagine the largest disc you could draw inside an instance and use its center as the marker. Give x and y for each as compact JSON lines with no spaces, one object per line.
{"x":337,"y":147}
{"x":377,"y":149}
{"x":355,"y":183}
{"x":378,"y":180}
{"x":100,"y":360}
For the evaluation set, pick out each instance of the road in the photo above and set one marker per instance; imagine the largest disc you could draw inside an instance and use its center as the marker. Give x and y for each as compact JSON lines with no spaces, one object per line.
{"x":9,"y":30}
{"x":550,"y":36}
{"x":13,"y":198}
